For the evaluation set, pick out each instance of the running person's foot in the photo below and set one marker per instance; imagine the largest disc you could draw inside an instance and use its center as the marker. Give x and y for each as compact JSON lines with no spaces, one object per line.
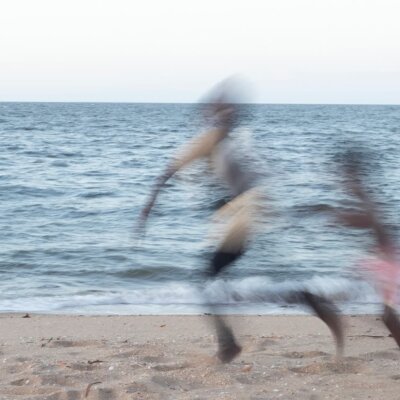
{"x":228,"y":349}
{"x":227,"y":354}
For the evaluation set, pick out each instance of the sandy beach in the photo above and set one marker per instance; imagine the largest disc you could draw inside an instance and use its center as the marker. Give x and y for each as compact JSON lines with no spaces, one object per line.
{"x":51,"y":357}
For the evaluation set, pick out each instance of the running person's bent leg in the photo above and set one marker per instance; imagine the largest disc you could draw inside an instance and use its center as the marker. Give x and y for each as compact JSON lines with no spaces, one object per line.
{"x":392,"y":322}
{"x":325,"y":310}
{"x":231,"y":247}
{"x":228,"y":348}
{"x":329,"y":314}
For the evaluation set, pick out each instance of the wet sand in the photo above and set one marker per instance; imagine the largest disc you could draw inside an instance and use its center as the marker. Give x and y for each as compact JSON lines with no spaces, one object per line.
{"x":52,"y":357}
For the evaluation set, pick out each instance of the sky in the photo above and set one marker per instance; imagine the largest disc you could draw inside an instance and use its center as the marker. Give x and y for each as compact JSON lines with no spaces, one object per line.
{"x":289,"y":51}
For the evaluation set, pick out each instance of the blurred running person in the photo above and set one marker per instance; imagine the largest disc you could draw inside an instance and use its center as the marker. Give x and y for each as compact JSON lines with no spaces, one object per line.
{"x":384,"y":267}
{"x":240,"y":215}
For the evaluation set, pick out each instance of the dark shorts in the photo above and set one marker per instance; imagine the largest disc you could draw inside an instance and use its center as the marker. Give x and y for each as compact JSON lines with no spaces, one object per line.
{"x":221,"y":259}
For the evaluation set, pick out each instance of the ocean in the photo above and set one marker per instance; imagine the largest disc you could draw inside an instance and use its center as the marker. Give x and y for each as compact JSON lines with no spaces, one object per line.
{"x":74,"y":177}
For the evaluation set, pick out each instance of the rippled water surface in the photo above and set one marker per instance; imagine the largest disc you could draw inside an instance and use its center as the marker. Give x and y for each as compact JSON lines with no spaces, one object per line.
{"x":73,"y":177}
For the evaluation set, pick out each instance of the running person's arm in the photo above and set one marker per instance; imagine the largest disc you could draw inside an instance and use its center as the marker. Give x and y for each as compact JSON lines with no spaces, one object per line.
{"x":200,"y":147}
{"x":354,"y":219}
{"x":363,"y":218}
{"x":367,"y":217}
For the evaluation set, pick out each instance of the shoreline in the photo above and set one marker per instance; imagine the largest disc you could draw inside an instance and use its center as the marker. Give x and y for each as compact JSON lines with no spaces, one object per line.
{"x":51,"y":357}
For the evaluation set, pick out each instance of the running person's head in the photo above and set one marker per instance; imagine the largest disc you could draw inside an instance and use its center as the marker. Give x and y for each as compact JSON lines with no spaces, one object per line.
{"x":355,"y":173}
{"x":225,"y":115}
{"x":221,"y":105}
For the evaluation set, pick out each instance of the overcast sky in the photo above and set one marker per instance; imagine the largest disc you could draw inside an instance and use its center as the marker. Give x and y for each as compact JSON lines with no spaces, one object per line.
{"x":291,"y":51}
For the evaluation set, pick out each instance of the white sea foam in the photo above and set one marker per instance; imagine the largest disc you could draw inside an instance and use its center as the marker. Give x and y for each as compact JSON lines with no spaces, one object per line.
{"x":250,"y":295}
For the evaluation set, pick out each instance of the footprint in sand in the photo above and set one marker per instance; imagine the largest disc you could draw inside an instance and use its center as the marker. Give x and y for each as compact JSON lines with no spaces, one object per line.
{"x":382,"y":355}
{"x":260,"y":346}
{"x":168,"y":382}
{"x":347,"y":366}
{"x":160,"y":363}
{"x":103,"y":394}
{"x":27,"y":389}
{"x":136,"y":388}
{"x":22,"y":359}
{"x":125,"y":354}
{"x":72,"y":343}
{"x":254,"y":378}
{"x":153,"y":359}
{"x":75,"y":394}
{"x":20,"y":382}
{"x":83,"y":366}
{"x":72,"y":394}
{"x":170,"y":366}
{"x":305,"y":354}
{"x":54,"y":380}
{"x":16,"y":368}
{"x":45,"y":387}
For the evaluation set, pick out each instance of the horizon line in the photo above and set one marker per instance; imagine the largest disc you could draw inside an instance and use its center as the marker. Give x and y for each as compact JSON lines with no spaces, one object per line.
{"x":185,"y":103}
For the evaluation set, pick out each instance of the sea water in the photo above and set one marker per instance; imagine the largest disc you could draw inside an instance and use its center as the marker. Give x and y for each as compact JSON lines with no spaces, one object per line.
{"x":74,"y":176}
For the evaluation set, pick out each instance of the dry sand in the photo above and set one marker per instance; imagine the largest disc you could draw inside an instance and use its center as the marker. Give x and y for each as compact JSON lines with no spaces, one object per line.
{"x":52,"y":357}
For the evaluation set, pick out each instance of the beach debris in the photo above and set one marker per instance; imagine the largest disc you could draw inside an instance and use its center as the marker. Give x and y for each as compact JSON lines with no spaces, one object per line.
{"x":26,"y":316}
{"x":247,"y":368}
{"x":63,"y":364}
{"x":89,"y":387}
{"x":47,"y":342}
{"x":163,"y":325}
{"x":94,"y":361}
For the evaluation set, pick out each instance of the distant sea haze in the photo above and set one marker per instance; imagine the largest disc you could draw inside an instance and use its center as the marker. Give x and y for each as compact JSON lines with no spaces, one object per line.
{"x":74,"y":176}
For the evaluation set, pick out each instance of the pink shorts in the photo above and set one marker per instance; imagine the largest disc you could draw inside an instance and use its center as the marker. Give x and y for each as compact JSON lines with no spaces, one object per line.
{"x":386,"y":275}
